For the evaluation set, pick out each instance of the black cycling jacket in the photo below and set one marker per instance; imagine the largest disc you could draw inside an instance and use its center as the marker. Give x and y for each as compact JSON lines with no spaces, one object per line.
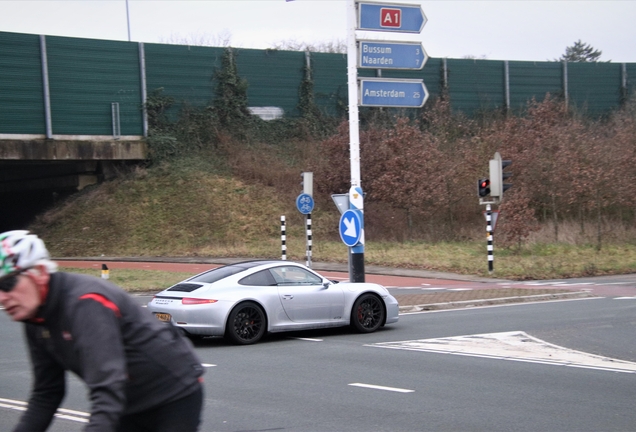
{"x":128,"y":359}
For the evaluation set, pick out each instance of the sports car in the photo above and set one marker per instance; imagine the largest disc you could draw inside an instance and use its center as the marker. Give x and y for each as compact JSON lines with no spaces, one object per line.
{"x":244,"y":301}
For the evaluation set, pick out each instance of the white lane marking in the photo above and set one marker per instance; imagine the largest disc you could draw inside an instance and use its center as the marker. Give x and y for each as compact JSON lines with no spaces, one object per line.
{"x":377,"y":387}
{"x":414,"y":288}
{"x":459,"y":289}
{"x":514,"y":346}
{"x":62,"y":413}
{"x":560,"y":284}
{"x":307,"y":339}
{"x":208,"y":365}
{"x":498,"y":306}
{"x":624,"y":298}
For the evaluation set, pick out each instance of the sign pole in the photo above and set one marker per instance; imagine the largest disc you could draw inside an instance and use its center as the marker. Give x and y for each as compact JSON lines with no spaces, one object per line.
{"x":356,"y":258}
{"x":491,"y":257}
{"x":283,"y":239}
{"x":308,"y":224}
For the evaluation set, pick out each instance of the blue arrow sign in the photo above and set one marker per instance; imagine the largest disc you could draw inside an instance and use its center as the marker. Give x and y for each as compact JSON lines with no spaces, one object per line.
{"x":387,"y":92}
{"x":391,"y":17}
{"x":391,"y":55}
{"x":305,"y":203}
{"x":350,"y":227}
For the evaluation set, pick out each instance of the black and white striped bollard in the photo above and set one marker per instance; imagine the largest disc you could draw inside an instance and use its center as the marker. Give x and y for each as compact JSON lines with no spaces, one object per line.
{"x":491,"y":257}
{"x":283,"y":239}
{"x":309,"y":240}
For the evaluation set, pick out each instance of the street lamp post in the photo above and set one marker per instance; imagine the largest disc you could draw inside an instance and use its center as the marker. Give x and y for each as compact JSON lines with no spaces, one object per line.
{"x":128,"y":20}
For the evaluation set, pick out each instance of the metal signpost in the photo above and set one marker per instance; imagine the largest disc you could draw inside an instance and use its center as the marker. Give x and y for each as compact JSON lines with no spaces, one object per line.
{"x":389,"y":17}
{"x":305,"y":205}
{"x":356,"y":254}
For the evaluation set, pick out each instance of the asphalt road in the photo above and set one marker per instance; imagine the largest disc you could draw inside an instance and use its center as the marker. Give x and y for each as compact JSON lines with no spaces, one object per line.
{"x":416,"y":290}
{"x":392,"y":380}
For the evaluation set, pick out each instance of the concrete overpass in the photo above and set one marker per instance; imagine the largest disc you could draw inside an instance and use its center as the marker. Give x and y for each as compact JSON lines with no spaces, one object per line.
{"x":32,"y":164}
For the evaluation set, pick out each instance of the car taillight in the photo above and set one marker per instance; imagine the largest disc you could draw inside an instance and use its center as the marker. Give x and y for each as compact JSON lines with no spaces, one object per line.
{"x":196,"y":301}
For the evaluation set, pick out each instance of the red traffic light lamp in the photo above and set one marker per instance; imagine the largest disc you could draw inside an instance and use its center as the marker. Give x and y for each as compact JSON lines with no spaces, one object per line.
{"x":483,"y":187}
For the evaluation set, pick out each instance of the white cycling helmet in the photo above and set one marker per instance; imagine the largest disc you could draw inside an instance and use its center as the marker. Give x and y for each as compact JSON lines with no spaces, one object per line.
{"x":20,"y":250}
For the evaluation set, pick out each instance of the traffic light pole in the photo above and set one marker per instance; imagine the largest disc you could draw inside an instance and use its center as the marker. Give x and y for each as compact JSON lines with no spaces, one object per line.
{"x":490,"y":191}
{"x":491,"y":256}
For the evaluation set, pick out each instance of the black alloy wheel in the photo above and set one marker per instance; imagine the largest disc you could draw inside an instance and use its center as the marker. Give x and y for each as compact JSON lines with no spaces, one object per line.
{"x":246,"y":324}
{"x":368,"y":313}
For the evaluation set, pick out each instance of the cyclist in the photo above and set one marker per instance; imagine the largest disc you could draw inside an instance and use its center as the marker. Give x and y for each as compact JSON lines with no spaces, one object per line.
{"x":142,"y":375}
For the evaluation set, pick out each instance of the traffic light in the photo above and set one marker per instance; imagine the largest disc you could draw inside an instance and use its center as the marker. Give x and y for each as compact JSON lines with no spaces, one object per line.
{"x":483,"y":187}
{"x":505,"y":175}
{"x":497,"y":176}
{"x":307,"y":183}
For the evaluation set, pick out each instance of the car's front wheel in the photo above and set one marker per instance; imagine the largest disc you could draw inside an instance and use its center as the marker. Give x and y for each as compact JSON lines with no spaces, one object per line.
{"x":247,"y":324}
{"x":367,"y":314}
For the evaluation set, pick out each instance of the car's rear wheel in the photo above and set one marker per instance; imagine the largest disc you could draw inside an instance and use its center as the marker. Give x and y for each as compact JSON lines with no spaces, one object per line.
{"x":367,"y":314}
{"x":247,"y":324}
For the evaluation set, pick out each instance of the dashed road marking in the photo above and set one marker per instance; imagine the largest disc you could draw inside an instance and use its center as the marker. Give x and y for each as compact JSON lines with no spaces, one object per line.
{"x":377,"y":387}
{"x":62,"y":413}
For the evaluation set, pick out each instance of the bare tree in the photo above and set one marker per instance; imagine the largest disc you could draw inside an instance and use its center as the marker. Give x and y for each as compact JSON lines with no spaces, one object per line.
{"x":337,"y":46}
{"x":221,"y":39}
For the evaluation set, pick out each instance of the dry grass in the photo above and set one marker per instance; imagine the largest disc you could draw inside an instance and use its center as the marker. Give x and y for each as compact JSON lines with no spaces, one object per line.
{"x":136,"y":281}
{"x":184,"y":209}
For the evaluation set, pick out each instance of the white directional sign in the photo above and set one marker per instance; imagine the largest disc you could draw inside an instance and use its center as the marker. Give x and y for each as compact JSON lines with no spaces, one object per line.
{"x":386,"y":92}
{"x":391,"y":55}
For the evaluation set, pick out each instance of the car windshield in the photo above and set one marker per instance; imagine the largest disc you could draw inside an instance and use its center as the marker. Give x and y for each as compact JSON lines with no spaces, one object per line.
{"x":223,"y":272}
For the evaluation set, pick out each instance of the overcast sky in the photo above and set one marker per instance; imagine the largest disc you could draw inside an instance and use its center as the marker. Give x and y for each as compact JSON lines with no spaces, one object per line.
{"x":496,"y":29}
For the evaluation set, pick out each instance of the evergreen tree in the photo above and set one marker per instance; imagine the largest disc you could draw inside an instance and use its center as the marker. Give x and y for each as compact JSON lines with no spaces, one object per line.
{"x":231,"y":92}
{"x":581,"y":52}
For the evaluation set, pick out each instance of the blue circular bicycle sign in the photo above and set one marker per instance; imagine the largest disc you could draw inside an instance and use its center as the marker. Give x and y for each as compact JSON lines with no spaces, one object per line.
{"x":305,"y":203}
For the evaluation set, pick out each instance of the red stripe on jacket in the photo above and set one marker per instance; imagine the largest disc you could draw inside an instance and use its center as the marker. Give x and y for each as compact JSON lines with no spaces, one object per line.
{"x":104,"y":301}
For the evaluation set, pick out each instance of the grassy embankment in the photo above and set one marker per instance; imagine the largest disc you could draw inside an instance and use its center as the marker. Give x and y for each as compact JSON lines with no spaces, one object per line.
{"x":174,"y":211}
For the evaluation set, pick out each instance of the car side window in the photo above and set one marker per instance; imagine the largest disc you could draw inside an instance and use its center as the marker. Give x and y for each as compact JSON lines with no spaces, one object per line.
{"x":261,"y":278}
{"x":290,"y":275}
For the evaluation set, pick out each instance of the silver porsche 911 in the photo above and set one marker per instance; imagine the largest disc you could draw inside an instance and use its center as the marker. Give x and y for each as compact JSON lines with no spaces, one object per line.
{"x":244,"y":301}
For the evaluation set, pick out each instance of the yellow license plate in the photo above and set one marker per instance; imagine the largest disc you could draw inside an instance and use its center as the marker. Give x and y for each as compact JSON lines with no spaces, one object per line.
{"x":163,"y":317}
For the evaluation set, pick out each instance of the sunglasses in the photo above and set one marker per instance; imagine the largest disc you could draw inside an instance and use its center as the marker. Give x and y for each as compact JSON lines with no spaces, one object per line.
{"x":9,"y":282}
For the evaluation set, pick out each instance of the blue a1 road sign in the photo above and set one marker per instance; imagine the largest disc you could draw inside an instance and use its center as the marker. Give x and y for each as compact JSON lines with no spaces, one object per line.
{"x":385,"y":92}
{"x":350,"y":227}
{"x":390,"y":17}
{"x":305,"y":203}
{"x":391,"y":55}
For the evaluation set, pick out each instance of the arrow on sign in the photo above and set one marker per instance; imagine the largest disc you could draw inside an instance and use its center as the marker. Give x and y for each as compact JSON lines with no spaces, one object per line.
{"x":351,"y":228}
